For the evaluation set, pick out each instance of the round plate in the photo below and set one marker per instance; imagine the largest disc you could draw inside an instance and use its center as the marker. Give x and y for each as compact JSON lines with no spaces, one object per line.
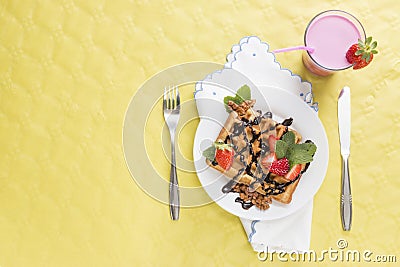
{"x":283,"y":105}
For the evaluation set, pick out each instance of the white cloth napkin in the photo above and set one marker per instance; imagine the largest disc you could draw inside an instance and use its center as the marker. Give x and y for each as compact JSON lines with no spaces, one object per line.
{"x":289,"y":234}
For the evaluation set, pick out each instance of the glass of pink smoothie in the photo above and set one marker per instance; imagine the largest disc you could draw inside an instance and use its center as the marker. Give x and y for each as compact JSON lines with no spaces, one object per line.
{"x":330,"y":33}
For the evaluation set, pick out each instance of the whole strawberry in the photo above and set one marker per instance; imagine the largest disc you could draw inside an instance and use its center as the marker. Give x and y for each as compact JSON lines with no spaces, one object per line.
{"x":362,"y":53}
{"x":280,"y":167}
{"x":224,"y":155}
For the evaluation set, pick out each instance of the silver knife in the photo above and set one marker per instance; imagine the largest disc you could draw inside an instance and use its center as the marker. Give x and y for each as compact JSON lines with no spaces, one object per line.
{"x":344,"y":119}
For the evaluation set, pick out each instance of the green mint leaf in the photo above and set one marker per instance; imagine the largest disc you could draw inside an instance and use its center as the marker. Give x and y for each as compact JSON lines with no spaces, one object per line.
{"x":234,"y":99}
{"x":290,"y":151}
{"x":289,"y":138}
{"x":244,"y":93}
{"x":299,"y":157}
{"x":209,"y":153}
{"x":300,"y":153}
{"x":358,"y":52}
{"x":308,"y":148}
{"x":280,"y":149}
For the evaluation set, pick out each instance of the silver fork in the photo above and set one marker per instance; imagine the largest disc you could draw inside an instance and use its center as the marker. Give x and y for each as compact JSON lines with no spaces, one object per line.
{"x":171,"y":107}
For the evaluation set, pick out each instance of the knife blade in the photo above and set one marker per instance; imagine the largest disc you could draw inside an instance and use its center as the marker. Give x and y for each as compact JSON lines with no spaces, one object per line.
{"x":344,"y":121}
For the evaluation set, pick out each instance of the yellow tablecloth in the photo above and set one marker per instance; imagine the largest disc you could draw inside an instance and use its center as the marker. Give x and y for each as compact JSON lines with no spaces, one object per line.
{"x":67,"y":72}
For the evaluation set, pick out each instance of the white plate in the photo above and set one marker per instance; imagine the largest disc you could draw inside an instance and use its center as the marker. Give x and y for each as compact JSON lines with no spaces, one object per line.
{"x":283,"y":105}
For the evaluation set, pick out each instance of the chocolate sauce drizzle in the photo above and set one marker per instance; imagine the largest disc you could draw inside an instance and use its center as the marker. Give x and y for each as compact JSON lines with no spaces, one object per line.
{"x":274,"y":188}
{"x":245,"y":204}
{"x":238,"y":129}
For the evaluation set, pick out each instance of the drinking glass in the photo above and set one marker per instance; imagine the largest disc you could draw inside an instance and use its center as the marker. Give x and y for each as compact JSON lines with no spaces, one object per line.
{"x":330,"y":34}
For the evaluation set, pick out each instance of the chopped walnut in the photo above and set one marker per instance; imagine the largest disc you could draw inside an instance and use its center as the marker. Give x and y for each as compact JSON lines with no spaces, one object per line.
{"x":259,"y":200}
{"x":242,"y":108}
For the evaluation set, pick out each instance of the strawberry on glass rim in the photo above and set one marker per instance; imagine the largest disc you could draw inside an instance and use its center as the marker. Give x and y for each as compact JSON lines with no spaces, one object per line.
{"x":362,"y":53}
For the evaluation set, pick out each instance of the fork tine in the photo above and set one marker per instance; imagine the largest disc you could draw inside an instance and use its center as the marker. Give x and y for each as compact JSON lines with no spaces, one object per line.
{"x":173,"y":97}
{"x":165,"y":98}
{"x":169,"y":97}
{"x":178,"y":99}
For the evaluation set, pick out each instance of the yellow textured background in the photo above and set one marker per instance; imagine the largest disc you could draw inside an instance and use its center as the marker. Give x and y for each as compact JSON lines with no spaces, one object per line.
{"x":68,"y":69}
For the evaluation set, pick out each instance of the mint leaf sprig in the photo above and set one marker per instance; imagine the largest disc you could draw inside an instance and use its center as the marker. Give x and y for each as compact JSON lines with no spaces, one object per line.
{"x":295,"y":153}
{"x":242,"y":94}
{"x":209,"y":153}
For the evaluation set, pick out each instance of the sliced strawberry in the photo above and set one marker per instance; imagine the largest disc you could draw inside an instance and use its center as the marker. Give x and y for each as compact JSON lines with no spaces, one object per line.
{"x":294,"y":172}
{"x":271,"y":142}
{"x":267,"y":161}
{"x":280,"y":167}
{"x":224,"y":155}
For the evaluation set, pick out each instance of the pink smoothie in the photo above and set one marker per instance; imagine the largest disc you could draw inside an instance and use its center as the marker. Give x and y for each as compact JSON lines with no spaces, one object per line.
{"x":331,"y":36}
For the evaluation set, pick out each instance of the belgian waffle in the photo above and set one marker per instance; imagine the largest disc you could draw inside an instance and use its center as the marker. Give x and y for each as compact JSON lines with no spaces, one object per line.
{"x":248,"y":131}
